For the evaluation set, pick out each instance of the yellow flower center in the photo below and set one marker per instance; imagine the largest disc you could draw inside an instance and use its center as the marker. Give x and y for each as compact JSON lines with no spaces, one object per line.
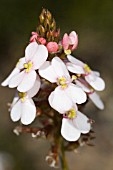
{"x":62,"y":82}
{"x":28,"y":66}
{"x":87,"y":68}
{"x":67,"y":52}
{"x":22,"y":96}
{"x":71,"y":113}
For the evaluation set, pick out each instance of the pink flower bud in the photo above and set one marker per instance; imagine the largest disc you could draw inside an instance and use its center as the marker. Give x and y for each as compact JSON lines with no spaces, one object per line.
{"x":33,"y":37}
{"x":52,"y":47}
{"x":42,"y":41}
{"x":70,"y":42}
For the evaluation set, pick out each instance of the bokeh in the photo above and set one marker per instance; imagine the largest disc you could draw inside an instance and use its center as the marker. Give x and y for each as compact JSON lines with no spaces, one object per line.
{"x":93,"y":21}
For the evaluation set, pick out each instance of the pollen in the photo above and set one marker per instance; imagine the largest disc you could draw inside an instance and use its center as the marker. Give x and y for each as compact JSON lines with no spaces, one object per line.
{"x":87,"y":68}
{"x":28,"y":66}
{"x":71,"y":113}
{"x":22,"y":96}
{"x":74,"y":77}
{"x":62,"y":82}
{"x":67,"y":52}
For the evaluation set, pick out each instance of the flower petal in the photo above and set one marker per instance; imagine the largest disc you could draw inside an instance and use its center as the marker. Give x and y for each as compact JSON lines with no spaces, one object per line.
{"x":27,"y":82}
{"x":81,"y":123}
{"x":16,"y":111}
{"x":96,"y":82}
{"x":21,"y":62}
{"x":65,"y":41}
{"x":40,"y":56}
{"x":83,"y":85}
{"x":28,"y":112}
{"x":60,"y":67}
{"x":34,"y":90}
{"x":30,"y":51}
{"x":15,"y":80}
{"x":68,"y":131}
{"x":96,"y":100}
{"x":13,"y":73}
{"x":75,"y":93}
{"x":75,"y":61}
{"x":47,"y":72}
{"x":60,"y":101}
{"x":75,"y":68}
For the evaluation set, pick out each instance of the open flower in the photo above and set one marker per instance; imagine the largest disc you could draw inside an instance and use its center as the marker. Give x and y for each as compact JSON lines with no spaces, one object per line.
{"x":23,"y":106}
{"x":70,"y":42}
{"x":24,"y":79}
{"x":66,"y":93}
{"x":92,"y":77}
{"x":73,"y":124}
{"x":34,"y":37}
{"x":95,"y":98}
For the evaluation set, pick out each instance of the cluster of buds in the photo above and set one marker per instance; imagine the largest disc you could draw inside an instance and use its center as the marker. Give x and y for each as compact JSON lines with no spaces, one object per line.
{"x":52,"y":86}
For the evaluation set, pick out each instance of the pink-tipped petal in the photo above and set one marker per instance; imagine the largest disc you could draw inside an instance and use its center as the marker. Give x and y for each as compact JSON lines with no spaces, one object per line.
{"x":76,"y":94}
{"x":34,"y":90}
{"x":28,"y":112}
{"x":39,"y":57}
{"x":59,"y":101}
{"x":60,"y":67}
{"x":81,"y":123}
{"x":13,"y":73}
{"x":65,"y":41}
{"x":47,"y":72}
{"x":16,"y":111}
{"x":68,"y":131}
{"x":27,"y":82}
{"x":15,"y":80}
{"x":95,"y":98}
{"x":30,"y":51}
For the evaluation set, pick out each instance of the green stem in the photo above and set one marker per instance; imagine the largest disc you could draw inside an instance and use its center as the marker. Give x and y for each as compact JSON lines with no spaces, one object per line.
{"x":63,"y":157}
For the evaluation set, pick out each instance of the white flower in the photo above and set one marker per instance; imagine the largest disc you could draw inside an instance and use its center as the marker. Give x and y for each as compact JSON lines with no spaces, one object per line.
{"x":66,"y":93}
{"x":35,"y":56}
{"x":92,"y":77}
{"x":95,"y":98}
{"x":23,"y":106}
{"x":73,"y":124}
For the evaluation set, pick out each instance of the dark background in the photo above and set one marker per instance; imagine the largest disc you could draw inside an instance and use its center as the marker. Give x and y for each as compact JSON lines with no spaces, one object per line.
{"x":93,"y":21}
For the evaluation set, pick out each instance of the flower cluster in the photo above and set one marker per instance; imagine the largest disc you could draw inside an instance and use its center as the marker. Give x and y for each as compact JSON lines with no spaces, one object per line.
{"x":49,"y":78}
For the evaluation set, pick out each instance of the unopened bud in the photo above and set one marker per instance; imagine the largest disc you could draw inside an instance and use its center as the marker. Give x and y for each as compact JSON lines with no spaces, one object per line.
{"x":49,"y":16}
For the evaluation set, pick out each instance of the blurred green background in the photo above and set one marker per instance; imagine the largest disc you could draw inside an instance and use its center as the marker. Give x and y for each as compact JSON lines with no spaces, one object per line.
{"x":93,"y":21}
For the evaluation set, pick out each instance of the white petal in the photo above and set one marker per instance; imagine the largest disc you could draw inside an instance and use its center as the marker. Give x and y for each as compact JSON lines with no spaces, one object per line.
{"x":21,"y":62}
{"x":60,"y":67}
{"x":39,"y":57}
{"x":16,"y":111}
{"x":34,"y":90}
{"x":27,"y":82}
{"x":15,"y":80}
{"x":96,"y":73}
{"x":81,"y":123}
{"x":60,"y":101}
{"x":47,"y":72}
{"x":83,"y":86}
{"x":28,"y":112}
{"x":75,"y":61}
{"x":75,"y":68}
{"x":75,"y":93}
{"x":96,"y":100}
{"x":30,"y":51}
{"x":96,"y":82}
{"x":13,"y":73}
{"x":68,"y":131}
